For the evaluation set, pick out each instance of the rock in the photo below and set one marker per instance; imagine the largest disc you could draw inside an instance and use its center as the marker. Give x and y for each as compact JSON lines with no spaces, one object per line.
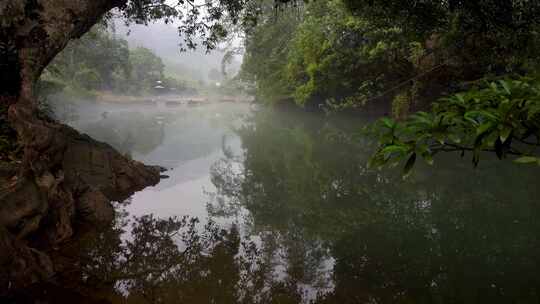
{"x":88,"y":162}
{"x":95,"y":207}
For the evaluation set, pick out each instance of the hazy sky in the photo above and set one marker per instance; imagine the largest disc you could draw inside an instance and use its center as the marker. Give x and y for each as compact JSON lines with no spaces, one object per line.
{"x":165,"y":41}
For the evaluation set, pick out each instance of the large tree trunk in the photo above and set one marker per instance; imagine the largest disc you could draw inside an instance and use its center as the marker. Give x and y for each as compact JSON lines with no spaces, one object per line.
{"x":64,"y":176}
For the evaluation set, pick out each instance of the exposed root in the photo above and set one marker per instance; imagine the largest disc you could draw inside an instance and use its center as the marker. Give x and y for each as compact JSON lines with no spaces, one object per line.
{"x":64,"y":178}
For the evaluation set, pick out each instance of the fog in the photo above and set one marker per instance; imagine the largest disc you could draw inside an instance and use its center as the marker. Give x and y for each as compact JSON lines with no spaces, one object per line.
{"x":165,"y":41}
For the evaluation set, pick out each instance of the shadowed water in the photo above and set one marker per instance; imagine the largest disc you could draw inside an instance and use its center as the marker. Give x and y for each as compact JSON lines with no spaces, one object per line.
{"x":269,"y":206}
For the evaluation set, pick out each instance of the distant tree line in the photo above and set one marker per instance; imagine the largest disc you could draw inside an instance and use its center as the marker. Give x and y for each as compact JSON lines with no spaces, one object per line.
{"x":100,"y":61}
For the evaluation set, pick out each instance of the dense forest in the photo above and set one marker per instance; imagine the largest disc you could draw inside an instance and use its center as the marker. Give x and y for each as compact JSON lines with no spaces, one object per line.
{"x":471,"y":67}
{"x":333,"y":51}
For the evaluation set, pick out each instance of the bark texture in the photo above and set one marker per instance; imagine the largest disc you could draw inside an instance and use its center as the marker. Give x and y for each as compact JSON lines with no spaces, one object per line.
{"x":64,"y":176}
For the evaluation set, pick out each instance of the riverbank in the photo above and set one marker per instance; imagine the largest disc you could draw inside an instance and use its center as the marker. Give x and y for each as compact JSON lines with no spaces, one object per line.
{"x":292,"y":200}
{"x":63,"y":179}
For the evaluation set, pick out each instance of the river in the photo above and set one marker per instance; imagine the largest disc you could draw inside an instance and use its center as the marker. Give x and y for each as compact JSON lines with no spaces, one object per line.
{"x":275,"y":206}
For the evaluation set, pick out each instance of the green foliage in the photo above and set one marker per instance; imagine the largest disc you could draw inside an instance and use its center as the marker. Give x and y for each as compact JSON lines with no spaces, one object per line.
{"x":401,"y":105}
{"x":503,"y":117}
{"x":473,"y":16}
{"x":327,"y":56}
{"x":266,"y":48}
{"x":344,"y":53}
{"x":175,"y":84}
{"x":50,"y":87}
{"x":91,"y":61}
{"x":147,"y":67}
{"x":97,"y":62}
{"x":88,"y":79}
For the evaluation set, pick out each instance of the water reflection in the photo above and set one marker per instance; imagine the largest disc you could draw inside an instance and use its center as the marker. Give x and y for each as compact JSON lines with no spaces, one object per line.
{"x":164,"y":261}
{"x":306,"y":221}
{"x":450,"y":234}
{"x":128,"y":132}
{"x":169,"y":138}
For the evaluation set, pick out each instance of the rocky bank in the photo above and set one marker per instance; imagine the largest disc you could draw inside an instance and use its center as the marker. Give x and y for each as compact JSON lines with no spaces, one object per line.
{"x":41,"y":207}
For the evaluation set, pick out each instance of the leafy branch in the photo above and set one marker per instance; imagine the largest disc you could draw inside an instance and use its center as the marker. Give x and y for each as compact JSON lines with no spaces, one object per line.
{"x":503,"y":117}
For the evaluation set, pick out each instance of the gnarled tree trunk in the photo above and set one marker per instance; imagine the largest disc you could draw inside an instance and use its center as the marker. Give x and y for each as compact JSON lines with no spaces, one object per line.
{"x":64,"y":176}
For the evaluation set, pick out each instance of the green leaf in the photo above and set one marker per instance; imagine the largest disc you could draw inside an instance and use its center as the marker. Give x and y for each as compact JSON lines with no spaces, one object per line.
{"x":440,"y":137}
{"x":505,"y":86}
{"x":455,"y":138}
{"x":505,"y":133}
{"x":387,"y":122}
{"x":460,"y":98}
{"x":421,"y":118}
{"x":393,"y":149}
{"x":479,"y":139}
{"x":375,"y":162}
{"x":494,"y":86}
{"x":499,"y":148}
{"x":472,"y":121}
{"x":423,"y":148}
{"x":428,"y":157}
{"x":409,"y":165}
{"x":483,"y":128}
{"x":480,"y":113}
{"x":526,"y":160}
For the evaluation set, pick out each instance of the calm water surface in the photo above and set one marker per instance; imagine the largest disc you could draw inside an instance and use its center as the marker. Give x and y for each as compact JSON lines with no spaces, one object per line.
{"x":269,"y":206}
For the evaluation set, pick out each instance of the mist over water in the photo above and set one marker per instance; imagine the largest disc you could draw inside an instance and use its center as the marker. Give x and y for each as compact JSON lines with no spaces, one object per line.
{"x":309,"y":217}
{"x":186,"y":140}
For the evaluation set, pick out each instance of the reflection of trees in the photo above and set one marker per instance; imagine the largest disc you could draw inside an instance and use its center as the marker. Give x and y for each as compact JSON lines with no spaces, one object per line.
{"x":171,"y":260}
{"x":434,"y":239}
{"x":128,"y":132}
{"x":450,"y":234}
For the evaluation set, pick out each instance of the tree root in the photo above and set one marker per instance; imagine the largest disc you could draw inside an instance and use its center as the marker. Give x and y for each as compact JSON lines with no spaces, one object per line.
{"x":64,"y":178}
